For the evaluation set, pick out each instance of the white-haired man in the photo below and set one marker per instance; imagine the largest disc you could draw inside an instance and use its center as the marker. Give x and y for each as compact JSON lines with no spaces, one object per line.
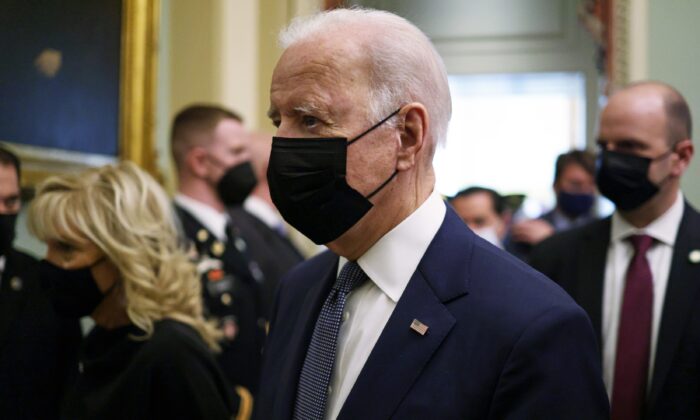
{"x":410,"y":314}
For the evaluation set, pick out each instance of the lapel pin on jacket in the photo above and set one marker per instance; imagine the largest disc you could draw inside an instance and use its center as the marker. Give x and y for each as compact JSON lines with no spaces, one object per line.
{"x":16,"y":284}
{"x":694,"y":256}
{"x":419,"y":327}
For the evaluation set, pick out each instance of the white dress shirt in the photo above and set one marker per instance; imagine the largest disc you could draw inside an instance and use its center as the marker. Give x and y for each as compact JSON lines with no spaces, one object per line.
{"x":620,"y":253}
{"x":389,"y":264}
{"x":212,"y":219}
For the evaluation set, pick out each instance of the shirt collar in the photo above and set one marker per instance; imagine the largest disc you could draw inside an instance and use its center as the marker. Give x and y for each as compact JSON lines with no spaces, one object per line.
{"x":213,"y":220}
{"x":664,"y":229}
{"x":263,"y":211}
{"x":391,"y":261}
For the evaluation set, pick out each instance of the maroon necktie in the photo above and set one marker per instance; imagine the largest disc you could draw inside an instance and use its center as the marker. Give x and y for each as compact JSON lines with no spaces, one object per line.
{"x":634,"y":335}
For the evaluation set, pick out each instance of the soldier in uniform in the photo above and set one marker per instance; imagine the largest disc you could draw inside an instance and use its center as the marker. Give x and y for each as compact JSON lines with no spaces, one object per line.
{"x":38,"y":349}
{"x":214,"y":173}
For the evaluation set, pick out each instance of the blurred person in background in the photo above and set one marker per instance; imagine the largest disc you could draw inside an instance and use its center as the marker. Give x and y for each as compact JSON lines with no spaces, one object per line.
{"x":263,"y":229}
{"x":574,"y":187}
{"x":38,"y":348}
{"x":637,"y":273}
{"x":483,"y":210}
{"x":215,"y":173}
{"x":113,"y":253}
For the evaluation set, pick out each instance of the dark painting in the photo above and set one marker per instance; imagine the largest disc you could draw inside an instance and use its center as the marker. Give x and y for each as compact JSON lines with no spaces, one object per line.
{"x":59,"y":74}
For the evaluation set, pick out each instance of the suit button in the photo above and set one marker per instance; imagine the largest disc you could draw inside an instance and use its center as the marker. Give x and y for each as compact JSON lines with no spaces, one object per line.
{"x":226,"y":299}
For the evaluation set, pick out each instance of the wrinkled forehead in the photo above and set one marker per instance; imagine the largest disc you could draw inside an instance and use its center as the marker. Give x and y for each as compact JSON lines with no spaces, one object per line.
{"x":327,"y":74}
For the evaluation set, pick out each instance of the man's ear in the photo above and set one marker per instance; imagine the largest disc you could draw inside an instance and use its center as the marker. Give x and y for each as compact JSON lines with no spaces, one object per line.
{"x":414,"y":133}
{"x":196,"y":161}
{"x":685,"y":150}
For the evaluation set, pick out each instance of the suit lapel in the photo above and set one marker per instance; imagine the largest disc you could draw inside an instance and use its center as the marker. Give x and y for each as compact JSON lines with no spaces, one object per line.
{"x":401,"y":353}
{"x":681,"y":295}
{"x":591,"y":273}
{"x":295,"y":352}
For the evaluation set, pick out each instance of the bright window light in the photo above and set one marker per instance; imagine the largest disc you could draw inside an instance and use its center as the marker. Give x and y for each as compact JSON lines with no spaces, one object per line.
{"x":507,"y":130}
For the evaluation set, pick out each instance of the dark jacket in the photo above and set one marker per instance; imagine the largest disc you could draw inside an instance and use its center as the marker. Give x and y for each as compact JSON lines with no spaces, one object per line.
{"x":38,"y":349}
{"x":576,"y":260}
{"x":503,"y":341}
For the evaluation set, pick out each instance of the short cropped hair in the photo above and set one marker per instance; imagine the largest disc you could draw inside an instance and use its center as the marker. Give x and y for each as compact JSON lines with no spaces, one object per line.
{"x":497,"y":200}
{"x":583,"y":158}
{"x":9,"y":158}
{"x":193,"y":120}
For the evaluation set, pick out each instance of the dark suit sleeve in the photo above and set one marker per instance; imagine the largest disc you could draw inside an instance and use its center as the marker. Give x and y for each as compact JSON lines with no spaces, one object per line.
{"x":546,"y":256}
{"x":553,"y":371}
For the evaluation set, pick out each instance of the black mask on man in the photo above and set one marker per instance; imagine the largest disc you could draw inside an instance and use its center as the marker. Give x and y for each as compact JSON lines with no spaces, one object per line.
{"x":7,"y":232}
{"x":236,"y":184}
{"x":73,"y":293}
{"x":308,"y":185}
{"x":624,"y":179}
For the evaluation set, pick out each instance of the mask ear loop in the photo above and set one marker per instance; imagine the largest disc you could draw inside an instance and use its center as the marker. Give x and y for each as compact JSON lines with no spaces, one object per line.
{"x":379,"y":188}
{"x":373,"y":127}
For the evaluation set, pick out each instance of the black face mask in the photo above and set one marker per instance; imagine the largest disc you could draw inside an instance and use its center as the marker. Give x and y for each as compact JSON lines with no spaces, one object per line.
{"x":308,"y":185}
{"x":624,"y":179}
{"x":73,"y":293}
{"x":7,"y":232}
{"x":236,"y":184}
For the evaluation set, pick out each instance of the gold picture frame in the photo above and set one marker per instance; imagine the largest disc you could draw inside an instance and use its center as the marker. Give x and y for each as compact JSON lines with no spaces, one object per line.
{"x":137,"y":93}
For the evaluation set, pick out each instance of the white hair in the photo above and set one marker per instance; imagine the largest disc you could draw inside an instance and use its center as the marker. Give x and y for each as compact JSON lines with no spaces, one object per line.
{"x":405,"y":67}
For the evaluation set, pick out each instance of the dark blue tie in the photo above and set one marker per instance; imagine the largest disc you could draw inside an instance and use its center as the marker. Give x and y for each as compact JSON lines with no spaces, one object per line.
{"x":312,"y":393}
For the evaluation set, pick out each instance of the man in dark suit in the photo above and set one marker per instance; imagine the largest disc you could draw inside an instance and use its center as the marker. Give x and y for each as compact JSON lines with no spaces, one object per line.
{"x":214,"y":173}
{"x":262,"y":227}
{"x":637,"y":273}
{"x":410,"y":314}
{"x":38,"y":349}
{"x":574,"y":186}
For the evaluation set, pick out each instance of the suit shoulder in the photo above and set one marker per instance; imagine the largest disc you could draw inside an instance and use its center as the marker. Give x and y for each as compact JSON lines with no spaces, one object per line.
{"x":563,"y":242}
{"x":506,"y":285}
{"x":21,"y":257}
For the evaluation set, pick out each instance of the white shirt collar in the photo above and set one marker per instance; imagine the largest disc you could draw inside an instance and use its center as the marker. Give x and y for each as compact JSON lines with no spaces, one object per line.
{"x":391,"y":261}
{"x":663,"y":229}
{"x":263,"y":211}
{"x":213,"y":220}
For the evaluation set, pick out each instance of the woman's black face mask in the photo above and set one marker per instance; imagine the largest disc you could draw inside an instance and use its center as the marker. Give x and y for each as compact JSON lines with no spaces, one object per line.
{"x":73,"y":293}
{"x":308,"y":185}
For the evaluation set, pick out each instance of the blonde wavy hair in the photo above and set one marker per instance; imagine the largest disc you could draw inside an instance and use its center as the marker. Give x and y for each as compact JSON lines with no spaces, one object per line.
{"x":125,"y":213}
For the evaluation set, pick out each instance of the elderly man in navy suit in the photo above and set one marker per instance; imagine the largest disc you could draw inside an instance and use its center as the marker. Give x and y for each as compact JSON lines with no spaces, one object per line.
{"x":410,"y":314}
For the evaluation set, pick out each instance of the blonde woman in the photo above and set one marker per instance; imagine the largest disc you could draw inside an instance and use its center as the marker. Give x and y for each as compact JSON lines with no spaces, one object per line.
{"x":113,"y":254}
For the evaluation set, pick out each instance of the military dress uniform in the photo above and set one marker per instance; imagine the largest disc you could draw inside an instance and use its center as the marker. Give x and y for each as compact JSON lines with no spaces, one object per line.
{"x":230,"y":287}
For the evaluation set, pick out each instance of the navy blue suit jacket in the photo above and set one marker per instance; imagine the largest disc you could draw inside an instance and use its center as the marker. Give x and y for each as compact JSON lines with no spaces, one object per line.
{"x":503,"y":341}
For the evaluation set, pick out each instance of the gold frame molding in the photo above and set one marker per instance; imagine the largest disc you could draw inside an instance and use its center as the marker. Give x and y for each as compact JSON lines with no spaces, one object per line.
{"x":137,"y":90}
{"x":138,"y":83}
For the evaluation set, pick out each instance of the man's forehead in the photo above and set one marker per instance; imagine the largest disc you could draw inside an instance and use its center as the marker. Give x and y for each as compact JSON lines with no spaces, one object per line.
{"x":325,"y":69}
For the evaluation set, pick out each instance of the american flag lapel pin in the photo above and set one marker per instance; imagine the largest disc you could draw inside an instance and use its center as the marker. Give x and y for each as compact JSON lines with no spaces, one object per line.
{"x":419,"y":327}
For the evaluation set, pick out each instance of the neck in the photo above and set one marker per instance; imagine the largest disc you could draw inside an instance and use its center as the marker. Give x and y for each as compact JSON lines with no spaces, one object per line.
{"x":262,"y":191}
{"x":651,"y":210}
{"x":200,"y":190}
{"x":382,"y":218}
{"x":111,"y":312}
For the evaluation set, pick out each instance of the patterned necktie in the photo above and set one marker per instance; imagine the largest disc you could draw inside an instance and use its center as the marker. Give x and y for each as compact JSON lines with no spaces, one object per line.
{"x":315,"y":378}
{"x":634,"y":336}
